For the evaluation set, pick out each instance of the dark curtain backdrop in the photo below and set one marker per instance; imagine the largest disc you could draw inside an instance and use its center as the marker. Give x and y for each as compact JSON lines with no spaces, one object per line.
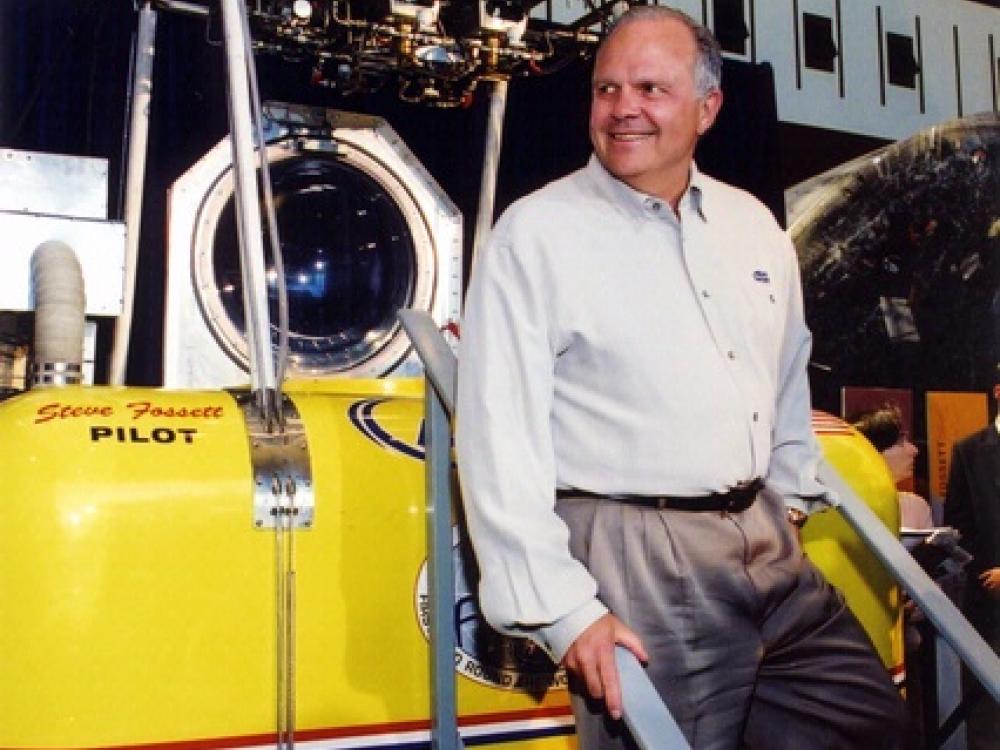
{"x":65,"y":73}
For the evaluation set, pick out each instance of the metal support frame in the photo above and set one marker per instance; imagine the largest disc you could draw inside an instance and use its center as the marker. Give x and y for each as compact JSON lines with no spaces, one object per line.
{"x":257,"y":315}
{"x":491,"y":165}
{"x":283,"y":486}
{"x":439,"y":403}
{"x":441,"y":574}
{"x":138,"y":139}
{"x":645,"y":714}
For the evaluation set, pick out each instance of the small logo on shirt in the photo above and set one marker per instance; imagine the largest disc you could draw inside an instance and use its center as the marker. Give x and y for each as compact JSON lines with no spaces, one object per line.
{"x":762,"y":277}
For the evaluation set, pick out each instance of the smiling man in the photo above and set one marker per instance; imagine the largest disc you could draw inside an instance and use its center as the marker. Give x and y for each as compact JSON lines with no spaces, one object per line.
{"x":651,"y":104}
{"x":634,"y":430}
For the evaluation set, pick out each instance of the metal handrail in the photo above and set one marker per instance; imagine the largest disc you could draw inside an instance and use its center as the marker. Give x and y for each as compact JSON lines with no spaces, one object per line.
{"x":646,"y":715}
{"x":644,"y":712}
{"x":933,"y":602}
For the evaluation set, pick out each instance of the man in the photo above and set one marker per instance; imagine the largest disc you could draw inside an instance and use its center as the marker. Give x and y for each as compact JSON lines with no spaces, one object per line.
{"x":973,"y":507}
{"x":634,"y":345}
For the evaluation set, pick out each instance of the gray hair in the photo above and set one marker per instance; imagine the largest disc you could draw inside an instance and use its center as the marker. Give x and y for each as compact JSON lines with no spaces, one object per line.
{"x":708,"y":64}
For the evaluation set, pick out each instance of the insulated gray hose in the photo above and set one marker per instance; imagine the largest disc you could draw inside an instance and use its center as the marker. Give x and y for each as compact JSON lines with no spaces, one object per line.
{"x":57,"y":281}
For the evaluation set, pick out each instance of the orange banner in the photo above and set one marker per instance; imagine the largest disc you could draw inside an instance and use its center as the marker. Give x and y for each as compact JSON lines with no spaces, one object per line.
{"x":950,"y":417}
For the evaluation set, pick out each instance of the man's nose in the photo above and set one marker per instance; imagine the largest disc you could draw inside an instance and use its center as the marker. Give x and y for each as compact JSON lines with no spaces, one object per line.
{"x":625,"y":104}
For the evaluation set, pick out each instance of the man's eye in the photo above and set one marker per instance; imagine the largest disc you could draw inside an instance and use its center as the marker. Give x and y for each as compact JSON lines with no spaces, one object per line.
{"x":652,"y":89}
{"x":606,"y":88}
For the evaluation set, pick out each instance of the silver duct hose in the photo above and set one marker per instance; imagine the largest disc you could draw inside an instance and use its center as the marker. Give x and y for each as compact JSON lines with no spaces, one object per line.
{"x":57,"y":282}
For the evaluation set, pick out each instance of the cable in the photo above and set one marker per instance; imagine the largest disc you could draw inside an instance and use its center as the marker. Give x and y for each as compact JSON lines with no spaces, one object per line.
{"x":272,"y":222}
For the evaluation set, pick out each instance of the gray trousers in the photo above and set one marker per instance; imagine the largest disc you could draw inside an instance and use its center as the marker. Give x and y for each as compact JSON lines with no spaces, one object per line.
{"x":749,"y":646}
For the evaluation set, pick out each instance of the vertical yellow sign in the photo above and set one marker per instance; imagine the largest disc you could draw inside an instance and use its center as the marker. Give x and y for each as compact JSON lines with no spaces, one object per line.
{"x":950,"y":417}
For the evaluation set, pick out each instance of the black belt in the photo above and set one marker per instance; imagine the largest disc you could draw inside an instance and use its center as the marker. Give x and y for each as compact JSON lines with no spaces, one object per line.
{"x":733,"y":500}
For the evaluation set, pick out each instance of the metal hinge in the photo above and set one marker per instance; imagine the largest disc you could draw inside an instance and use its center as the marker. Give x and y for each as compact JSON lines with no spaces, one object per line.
{"x":283,"y":494}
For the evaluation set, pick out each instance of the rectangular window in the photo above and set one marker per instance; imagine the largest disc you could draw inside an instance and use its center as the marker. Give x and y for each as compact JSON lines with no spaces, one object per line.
{"x":820,"y":48}
{"x":902,"y":63}
{"x":730,"y":25}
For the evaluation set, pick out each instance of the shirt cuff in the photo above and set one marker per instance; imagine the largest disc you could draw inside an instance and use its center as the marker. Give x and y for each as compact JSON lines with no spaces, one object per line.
{"x":560,"y":635}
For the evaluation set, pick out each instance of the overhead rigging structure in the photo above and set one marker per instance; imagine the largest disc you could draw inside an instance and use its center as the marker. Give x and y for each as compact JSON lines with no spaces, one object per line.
{"x":435,"y":51}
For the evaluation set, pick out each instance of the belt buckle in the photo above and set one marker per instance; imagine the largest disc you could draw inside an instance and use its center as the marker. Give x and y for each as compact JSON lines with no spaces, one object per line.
{"x":744,"y":491}
{"x":661,"y":502}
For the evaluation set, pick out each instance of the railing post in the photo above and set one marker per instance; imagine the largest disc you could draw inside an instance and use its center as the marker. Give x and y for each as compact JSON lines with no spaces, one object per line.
{"x":439,"y":400}
{"x":948,"y":668}
{"x":645,"y":714}
{"x":440,"y":571}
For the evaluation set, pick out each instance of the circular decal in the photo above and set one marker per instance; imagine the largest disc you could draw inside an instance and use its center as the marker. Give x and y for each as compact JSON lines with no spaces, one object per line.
{"x":481,"y":653}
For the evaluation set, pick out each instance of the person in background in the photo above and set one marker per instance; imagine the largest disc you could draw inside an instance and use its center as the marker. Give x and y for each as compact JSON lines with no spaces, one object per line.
{"x":633,"y":430}
{"x":972,"y":506}
{"x":884,"y":429}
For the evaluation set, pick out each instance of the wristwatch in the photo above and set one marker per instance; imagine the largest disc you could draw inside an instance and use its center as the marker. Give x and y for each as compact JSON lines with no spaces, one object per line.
{"x":796,"y":517}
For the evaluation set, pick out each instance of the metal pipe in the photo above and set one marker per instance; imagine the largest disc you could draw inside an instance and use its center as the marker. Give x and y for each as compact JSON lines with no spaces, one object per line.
{"x":491,"y":162}
{"x":440,"y":573}
{"x":272,"y":224}
{"x":258,"y":326}
{"x":439,"y":403}
{"x":138,"y":138}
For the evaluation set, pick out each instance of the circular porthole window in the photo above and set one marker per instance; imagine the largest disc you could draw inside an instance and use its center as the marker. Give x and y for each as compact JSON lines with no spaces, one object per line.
{"x":356,"y":250}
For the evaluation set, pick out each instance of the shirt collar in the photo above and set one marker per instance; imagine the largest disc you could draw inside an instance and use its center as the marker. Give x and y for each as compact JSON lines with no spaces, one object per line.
{"x":643,"y":206}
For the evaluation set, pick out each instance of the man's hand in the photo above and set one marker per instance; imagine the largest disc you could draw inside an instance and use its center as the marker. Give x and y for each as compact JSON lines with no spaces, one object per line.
{"x":592,"y":659}
{"x":990,"y":579}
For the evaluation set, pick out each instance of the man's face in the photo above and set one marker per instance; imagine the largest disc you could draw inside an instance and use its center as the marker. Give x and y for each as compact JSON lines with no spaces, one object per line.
{"x":900,"y":458}
{"x":645,"y":116}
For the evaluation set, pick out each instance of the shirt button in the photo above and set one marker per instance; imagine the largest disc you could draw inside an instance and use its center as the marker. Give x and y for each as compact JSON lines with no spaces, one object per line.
{"x":756,"y":416}
{"x":705,"y":294}
{"x":731,"y":354}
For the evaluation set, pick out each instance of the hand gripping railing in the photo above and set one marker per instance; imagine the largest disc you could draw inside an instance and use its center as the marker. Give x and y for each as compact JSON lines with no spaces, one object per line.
{"x":645,"y":714}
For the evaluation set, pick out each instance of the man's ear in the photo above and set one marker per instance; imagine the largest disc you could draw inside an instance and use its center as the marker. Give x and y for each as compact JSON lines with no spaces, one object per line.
{"x":710,"y":104}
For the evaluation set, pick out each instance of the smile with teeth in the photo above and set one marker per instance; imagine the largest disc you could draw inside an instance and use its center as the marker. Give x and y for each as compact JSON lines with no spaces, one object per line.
{"x":629,"y":136}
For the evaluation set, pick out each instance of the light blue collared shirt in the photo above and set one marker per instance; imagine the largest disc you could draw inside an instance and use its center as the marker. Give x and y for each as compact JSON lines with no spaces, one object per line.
{"x":612,"y":346}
